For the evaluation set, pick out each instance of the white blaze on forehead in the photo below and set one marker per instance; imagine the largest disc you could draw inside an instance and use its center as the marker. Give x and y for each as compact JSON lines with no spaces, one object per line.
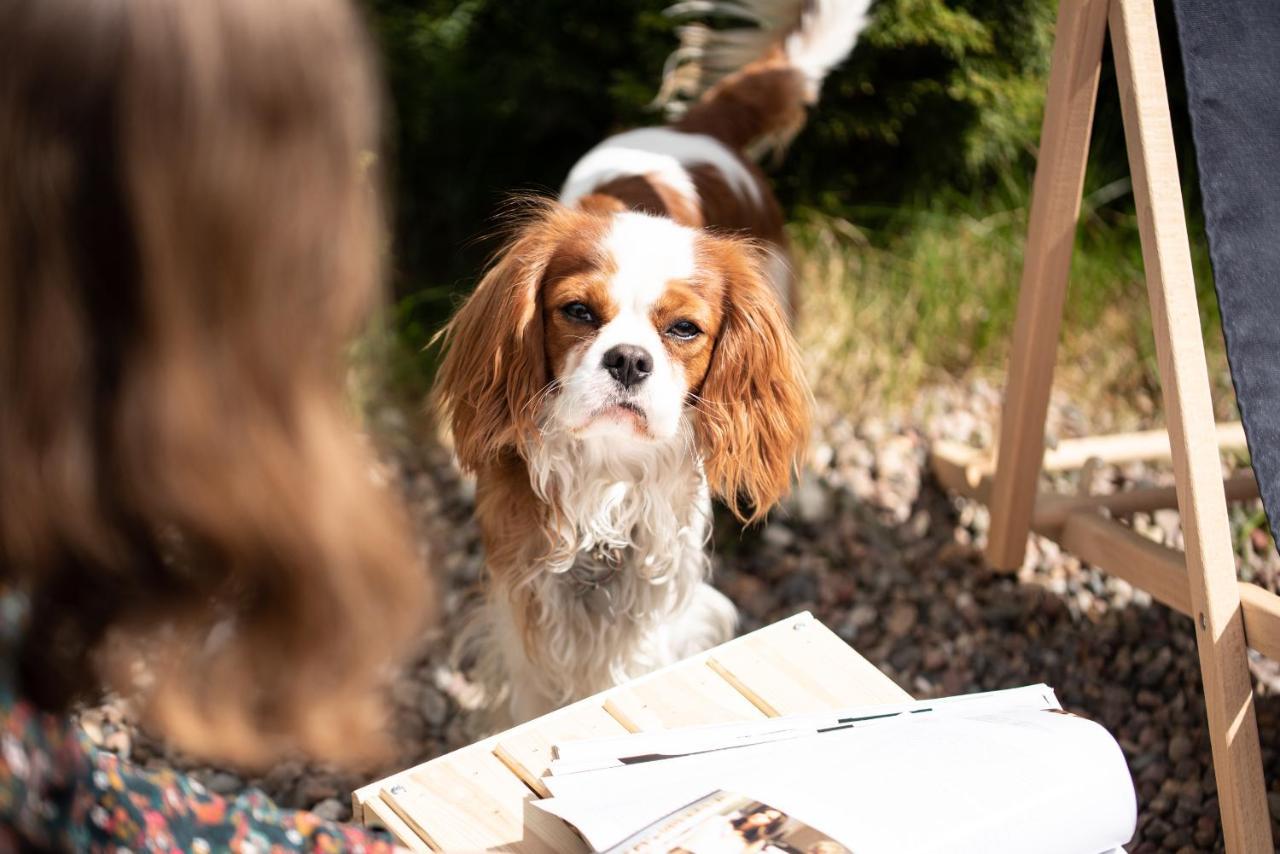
{"x":648,"y":252}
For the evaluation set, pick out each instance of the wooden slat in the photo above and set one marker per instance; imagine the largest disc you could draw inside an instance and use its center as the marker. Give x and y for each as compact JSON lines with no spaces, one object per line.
{"x":1125,"y":553}
{"x":683,"y":696}
{"x":469,"y":800}
{"x":967,"y":471}
{"x":1052,"y":511}
{"x":379,"y":813}
{"x":1144,"y":446}
{"x":1215,"y":596}
{"x":961,"y":469}
{"x":1055,"y":206}
{"x":527,"y":750}
{"x":1261,"y":619}
{"x":1162,"y":572}
{"x":805,"y":669}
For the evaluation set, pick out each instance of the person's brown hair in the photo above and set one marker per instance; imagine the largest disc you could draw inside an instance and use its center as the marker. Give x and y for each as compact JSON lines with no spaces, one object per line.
{"x":189,"y":231}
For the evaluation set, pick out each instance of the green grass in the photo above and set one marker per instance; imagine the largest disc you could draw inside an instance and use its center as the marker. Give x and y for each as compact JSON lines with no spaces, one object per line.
{"x":931,"y":292}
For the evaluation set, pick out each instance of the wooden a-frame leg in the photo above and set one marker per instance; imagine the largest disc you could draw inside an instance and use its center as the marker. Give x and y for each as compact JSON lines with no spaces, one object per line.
{"x":1184,"y":376}
{"x":1055,"y":206}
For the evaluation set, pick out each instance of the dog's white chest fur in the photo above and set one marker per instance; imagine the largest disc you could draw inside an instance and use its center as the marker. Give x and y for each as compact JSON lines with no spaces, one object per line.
{"x":623,"y":589}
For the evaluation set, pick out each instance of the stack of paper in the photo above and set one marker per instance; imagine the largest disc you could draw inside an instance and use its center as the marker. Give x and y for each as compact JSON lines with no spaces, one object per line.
{"x":1005,"y":771}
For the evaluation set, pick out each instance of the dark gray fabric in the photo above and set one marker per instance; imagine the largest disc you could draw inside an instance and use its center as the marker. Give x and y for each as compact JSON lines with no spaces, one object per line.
{"x":1231,"y":59}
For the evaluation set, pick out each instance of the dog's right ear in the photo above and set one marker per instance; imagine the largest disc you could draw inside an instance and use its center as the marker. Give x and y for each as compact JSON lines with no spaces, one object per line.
{"x":495,"y":364}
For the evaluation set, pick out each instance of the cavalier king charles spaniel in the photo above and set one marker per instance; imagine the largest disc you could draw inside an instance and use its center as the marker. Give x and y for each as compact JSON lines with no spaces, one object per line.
{"x":629,"y":356}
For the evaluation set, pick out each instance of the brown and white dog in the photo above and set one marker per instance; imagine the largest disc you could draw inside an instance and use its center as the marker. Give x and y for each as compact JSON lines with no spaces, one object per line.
{"x":627,"y":357}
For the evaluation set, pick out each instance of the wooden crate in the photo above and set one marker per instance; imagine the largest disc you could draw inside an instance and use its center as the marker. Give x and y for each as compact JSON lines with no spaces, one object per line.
{"x":479,"y":797}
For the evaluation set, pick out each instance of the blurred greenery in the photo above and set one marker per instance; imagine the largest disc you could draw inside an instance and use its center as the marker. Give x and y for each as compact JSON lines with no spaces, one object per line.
{"x":924,"y":145}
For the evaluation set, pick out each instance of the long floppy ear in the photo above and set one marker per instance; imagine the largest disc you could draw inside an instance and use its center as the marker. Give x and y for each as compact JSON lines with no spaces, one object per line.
{"x":754,"y":407}
{"x":495,"y":363}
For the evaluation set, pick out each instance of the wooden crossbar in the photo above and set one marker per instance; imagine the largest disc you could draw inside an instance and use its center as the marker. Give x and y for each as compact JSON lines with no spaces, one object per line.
{"x":969,"y":471}
{"x":1162,"y":572}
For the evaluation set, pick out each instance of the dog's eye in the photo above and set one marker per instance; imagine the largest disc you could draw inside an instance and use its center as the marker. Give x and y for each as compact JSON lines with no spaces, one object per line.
{"x":684,"y":329}
{"x":580,"y":312}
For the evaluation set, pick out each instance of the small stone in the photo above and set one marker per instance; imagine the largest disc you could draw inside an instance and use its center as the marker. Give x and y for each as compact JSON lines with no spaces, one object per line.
{"x":862,"y":616}
{"x":317,"y":789}
{"x":1206,"y":832}
{"x":1151,"y":675}
{"x":935,"y":658}
{"x":224,"y":783}
{"x":797,"y":588}
{"x":902,"y":620}
{"x":778,"y":536}
{"x":332,"y":809}
{"x":1179,"y":747}
{"x":812,"y":500}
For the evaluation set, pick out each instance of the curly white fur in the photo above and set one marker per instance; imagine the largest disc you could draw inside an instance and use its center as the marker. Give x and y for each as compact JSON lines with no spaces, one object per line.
{"x":600,"y":622}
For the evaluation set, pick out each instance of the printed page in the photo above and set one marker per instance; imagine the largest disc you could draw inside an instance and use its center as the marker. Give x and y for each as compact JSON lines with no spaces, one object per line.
{"x":728,"y":823}
{"x":997,"y":782}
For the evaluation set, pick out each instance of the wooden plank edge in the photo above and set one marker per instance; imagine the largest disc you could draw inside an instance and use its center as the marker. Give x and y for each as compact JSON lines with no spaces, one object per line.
{"x":378,"y":811}
{"x":756,"y":700}
{"x":526,"y":775}
{"x":704,"y":657}
{"x":410,"y":822}
{"x":1162,"y":572}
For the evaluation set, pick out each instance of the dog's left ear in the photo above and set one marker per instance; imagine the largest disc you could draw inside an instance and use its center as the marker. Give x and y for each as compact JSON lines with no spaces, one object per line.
{"x":494,"y":365}
{"x":754,"y":405}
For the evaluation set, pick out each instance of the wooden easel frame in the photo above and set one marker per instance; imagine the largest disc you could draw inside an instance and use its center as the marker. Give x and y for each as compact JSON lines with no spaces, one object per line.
{"x":1201,"y":582}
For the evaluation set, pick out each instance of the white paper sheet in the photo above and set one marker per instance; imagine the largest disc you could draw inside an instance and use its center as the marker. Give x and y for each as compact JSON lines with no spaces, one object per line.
{"x":997,"y":783}
{"x":596,"y":753}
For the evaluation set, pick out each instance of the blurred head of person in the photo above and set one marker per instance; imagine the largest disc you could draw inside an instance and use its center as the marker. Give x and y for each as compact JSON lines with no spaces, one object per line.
{"x":189,"y":233}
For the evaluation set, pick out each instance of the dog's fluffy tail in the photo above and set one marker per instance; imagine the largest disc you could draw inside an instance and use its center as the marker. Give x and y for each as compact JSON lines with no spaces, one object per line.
{"x":749,"y":86}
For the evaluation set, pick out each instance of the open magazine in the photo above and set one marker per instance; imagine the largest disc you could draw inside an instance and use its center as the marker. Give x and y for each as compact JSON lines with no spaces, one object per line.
{"x":1005,"y":771}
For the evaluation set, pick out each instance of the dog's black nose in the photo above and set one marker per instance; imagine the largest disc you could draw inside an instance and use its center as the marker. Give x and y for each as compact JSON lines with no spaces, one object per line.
{"x":628,"y":364}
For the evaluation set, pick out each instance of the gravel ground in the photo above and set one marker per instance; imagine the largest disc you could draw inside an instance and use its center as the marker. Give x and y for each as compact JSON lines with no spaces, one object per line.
{"x":883,"y":556}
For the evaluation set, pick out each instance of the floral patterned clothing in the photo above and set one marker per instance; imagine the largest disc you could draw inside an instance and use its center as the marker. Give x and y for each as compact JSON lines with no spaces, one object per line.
{"x":60,"y":793}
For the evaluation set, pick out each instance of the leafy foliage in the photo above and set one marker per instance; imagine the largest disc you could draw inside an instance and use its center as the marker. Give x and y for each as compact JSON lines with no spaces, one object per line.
{"x":493,"y":97}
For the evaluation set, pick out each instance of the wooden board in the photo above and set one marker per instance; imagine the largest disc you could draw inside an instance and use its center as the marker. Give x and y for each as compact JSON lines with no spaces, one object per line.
{"x":1052,"y":510}
{"x":1184,"y":376}
{"x":527,"y":751}
{"x":469,"y":800}
{"x":805,"y":669}
{"x":689,"y":696}
{"x":479,"y":797}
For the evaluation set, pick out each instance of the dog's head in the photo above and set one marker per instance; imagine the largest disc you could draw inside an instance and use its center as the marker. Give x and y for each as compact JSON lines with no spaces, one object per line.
{"x":628,"y":329}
